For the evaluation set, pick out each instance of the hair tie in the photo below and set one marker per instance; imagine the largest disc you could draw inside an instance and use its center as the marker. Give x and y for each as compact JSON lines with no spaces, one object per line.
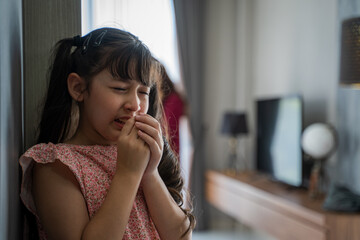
{"x":77,"y":41}
{"x":84,"y":44}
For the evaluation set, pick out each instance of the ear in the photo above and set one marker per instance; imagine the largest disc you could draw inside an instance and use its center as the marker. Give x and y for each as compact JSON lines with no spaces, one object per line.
{"x":76,"y":86}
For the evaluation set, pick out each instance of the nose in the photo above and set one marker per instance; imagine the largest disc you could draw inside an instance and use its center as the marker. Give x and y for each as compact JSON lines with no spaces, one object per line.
{"x":132,"y":102}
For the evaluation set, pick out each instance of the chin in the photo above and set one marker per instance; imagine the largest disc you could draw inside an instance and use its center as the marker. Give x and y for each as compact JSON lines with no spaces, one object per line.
{"x":112,"y":139}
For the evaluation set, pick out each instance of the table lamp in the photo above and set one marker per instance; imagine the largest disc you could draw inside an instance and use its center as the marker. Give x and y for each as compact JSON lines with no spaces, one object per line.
{"x":233,"y":125}
{"x":318,"y":142}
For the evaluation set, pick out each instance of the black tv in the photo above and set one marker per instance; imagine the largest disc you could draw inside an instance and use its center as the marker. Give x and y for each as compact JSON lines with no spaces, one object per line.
{"x":278,"y":141}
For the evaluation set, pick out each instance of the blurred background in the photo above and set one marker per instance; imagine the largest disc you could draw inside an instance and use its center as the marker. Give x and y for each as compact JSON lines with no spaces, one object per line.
{"x":221,"y":55}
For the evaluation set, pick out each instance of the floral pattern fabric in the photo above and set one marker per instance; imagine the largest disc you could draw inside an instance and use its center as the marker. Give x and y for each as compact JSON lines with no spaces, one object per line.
{"x":94,"y":167}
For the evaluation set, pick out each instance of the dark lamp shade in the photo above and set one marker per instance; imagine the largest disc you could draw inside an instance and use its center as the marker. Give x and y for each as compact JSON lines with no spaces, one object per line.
{"x":350,"y":52}
{"x":234,"y":123}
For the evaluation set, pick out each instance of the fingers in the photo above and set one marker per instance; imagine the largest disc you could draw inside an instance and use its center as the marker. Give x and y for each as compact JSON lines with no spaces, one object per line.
{"x":128,"y":127}
{"x":134,"y":134}
{"x":150,"y":131}
{"x":130,"y":130}
{"x":147,"y":119}
{"x":153,"y":145}
{"x":135,"y":153}
{"x":151,"y":127}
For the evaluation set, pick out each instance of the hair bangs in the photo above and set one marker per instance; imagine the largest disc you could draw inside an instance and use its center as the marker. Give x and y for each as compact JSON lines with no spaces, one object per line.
{"x":133,"y":64}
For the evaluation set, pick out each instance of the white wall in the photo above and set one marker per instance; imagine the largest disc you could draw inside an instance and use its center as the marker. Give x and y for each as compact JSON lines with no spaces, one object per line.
{"x":296,"y":50}
{"x":262,"y":48}
{"x":220,"y":75}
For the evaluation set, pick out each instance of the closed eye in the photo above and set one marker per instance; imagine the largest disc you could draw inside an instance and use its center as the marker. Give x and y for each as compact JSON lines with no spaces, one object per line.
{"x":144,"y":90}
{"x":119,"y":89}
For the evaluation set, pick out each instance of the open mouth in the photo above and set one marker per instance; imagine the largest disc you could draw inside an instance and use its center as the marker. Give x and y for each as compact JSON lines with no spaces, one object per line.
{"x":119,"y":121}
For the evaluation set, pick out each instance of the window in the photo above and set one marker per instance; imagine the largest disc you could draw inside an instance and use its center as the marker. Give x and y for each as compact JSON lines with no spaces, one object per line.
{"x":152,"y":21}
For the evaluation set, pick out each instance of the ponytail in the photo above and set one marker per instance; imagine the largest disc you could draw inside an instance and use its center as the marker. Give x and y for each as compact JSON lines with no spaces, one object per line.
{"x":56,"y":113}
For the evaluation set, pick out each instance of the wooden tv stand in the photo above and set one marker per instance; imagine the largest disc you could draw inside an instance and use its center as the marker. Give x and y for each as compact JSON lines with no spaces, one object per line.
{"x":281,"y":211}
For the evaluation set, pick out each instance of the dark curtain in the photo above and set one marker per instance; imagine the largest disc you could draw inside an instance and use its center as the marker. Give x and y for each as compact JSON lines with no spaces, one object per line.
{"x":346,"y":170}
{"x":11,"y":117}
{"x":189,"y":24}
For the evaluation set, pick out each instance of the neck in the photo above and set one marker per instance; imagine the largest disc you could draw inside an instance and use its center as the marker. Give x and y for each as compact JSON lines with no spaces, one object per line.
{"x":80,"y":138}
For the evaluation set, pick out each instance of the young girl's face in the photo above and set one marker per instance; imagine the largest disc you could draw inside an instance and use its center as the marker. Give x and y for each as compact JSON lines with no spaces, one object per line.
{"x":108,"y":104}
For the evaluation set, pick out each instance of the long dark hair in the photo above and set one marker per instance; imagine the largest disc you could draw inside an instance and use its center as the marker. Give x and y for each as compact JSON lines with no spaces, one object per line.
{"x":125,"y":56}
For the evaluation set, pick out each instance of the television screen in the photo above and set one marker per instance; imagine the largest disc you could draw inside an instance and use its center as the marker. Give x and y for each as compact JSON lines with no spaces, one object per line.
{"x":279,"y":129}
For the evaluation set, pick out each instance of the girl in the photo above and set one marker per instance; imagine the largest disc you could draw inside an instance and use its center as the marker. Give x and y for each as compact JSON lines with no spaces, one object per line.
{"x":102,"y":168}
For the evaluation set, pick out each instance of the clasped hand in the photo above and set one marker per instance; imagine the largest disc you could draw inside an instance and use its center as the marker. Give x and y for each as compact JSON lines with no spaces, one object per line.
{"x":140,"y":145}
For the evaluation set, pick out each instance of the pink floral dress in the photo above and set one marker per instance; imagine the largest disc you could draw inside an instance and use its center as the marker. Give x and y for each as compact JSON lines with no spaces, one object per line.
{"x":94,"y":167}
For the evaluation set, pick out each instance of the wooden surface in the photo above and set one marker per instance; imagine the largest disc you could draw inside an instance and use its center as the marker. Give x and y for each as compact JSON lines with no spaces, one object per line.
{"x":282,"y":211}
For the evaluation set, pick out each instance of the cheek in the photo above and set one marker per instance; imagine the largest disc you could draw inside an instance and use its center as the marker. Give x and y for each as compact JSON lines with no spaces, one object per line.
{"x":144,"y":106}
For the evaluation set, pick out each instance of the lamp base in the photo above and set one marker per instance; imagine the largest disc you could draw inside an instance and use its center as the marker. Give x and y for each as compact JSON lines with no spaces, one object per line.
{"x":317,"y":179}
{"x":235,"y":165}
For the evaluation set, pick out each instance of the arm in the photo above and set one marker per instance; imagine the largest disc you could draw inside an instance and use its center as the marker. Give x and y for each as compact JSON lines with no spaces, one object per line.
{"x":111,"y":219}
{"x":170,"y":221}
{"x":61,"y":206}
{"x":62,"y":209}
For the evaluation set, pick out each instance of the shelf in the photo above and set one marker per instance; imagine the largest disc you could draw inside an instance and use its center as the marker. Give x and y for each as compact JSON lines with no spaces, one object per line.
{"x":282,"y":211}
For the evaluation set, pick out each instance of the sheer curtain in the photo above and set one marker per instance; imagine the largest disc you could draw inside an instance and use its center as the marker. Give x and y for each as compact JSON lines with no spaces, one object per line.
{"x":152,"y":21}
